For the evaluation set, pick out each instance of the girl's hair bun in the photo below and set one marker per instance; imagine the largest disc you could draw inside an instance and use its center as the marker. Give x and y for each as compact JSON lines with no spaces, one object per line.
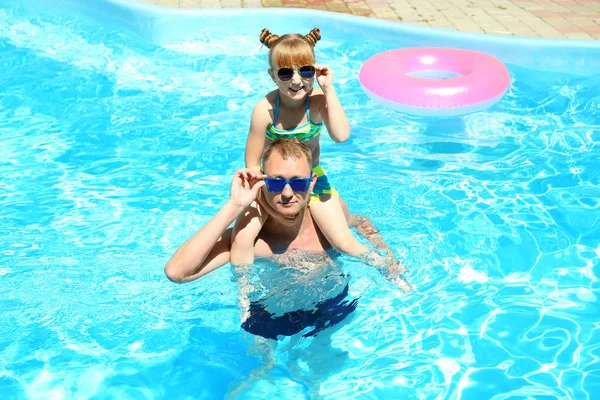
{"x":313,"y":36}
{"x":267,"y":38}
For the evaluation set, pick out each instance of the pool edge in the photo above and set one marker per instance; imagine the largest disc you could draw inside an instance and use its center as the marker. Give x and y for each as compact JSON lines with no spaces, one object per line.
{"x":162,"y":25}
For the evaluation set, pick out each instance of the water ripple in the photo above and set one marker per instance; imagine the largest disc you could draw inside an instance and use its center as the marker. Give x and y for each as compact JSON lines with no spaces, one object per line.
{"x":115,"y":151}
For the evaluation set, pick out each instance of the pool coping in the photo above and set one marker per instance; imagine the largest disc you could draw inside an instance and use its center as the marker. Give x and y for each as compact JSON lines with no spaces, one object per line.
{"x":572,"y":19}
{"x":162,"y":25}
{"x":367,"y":21}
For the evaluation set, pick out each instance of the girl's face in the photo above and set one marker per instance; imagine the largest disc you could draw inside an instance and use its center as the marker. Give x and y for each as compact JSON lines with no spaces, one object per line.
{"x":292,"y":68}
{"x":294,"y":82}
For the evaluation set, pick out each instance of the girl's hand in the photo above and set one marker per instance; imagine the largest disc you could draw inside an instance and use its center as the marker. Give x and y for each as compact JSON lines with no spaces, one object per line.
{"x":324,"y":76}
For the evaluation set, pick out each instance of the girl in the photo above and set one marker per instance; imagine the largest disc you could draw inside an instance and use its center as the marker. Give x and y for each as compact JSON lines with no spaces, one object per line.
{"x":296,"y":109}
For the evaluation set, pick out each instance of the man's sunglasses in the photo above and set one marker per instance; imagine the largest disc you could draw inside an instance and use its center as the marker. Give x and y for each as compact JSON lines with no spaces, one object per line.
{"x":306,"y":72}
{"x":276,"y":185}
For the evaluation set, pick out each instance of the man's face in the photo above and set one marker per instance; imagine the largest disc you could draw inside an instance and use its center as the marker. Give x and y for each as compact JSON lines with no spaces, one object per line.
{"x":287,"y":203}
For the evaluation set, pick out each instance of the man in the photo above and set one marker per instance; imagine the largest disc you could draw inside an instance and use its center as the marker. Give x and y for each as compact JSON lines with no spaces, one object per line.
{"x":284,"y":189}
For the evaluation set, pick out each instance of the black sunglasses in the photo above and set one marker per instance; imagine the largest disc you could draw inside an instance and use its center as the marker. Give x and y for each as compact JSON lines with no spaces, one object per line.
{"x":306,"y":72}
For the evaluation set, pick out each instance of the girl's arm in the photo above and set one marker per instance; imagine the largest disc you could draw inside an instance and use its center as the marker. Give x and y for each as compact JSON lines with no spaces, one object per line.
{"x":332,"y":111}
{"x":255,"y":143}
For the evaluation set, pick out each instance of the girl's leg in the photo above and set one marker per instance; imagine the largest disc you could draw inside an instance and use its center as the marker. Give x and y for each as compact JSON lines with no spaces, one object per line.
{"x":328,"y":213}
{"x":346,"y":210}
{"x":246,"y":229}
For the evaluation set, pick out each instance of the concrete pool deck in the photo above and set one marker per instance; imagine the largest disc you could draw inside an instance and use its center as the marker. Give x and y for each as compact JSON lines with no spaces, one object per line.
{"x":572,"y":19}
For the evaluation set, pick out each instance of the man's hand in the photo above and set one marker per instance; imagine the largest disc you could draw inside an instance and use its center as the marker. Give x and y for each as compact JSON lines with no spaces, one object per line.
{"x":245,"y":186}
{"x":389,"y":267}
{"x":394,"y":275}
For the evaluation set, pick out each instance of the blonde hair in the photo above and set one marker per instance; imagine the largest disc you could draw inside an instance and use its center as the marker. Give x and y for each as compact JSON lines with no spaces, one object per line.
{"x":291,"y":50}
{"x":288,"y":149}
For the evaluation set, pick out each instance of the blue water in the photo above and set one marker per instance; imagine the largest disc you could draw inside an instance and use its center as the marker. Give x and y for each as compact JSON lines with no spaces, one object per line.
{"x":115,"y":150}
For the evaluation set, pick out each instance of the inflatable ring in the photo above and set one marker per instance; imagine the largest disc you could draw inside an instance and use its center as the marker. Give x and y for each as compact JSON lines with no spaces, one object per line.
{"x":434,"y":81}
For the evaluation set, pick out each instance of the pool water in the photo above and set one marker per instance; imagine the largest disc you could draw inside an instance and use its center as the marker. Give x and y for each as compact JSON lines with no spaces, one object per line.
{"x":116,"y":150}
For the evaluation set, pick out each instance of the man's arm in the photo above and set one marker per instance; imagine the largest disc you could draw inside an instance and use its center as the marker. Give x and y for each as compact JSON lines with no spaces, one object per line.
{"x":209,"y":248}
{"x":366,"y":229}
{"x":206,"y":251}
{"x":393,"y":269}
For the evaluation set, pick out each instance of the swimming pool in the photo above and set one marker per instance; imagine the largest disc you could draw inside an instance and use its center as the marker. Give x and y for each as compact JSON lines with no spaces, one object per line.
{"x":119,"y":131}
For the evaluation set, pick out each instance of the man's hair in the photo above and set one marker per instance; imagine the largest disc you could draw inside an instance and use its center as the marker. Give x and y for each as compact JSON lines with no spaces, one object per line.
{"x":288,"y":149}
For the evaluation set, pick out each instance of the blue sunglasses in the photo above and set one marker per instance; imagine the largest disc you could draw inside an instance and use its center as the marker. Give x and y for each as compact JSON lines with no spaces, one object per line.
{"x":276,"y":185}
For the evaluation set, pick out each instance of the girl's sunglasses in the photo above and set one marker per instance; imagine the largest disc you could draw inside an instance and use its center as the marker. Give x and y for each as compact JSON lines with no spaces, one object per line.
{"x":276,"y":185}
{"x":306,"y":72}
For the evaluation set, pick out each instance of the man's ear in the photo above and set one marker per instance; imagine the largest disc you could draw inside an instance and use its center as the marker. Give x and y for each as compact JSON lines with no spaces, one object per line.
{"x":313,"y":182}
{"x":272,"y":75}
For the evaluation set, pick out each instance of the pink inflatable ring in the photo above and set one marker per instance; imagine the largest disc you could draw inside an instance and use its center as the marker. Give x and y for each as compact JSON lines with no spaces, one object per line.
{"x":434,"y":81}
